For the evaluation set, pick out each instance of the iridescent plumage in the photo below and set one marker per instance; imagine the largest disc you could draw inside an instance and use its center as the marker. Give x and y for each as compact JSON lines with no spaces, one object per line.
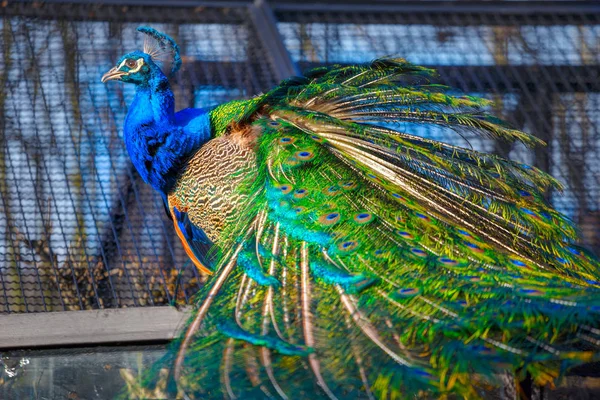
{"x":354,"y":259}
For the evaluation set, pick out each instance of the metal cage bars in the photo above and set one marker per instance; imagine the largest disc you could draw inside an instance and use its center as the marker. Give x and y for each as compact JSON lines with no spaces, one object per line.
{"x":123,"y":253}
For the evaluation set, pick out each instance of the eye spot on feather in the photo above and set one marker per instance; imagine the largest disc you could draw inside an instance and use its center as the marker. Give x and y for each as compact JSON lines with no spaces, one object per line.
{"x":363,"y":218}
{"x":348,"y":185}
{"x":399,"y":198}
{"x":422,"y":373}
{"x":574,"y":251}
{"x":531,"y":292}
{"x":405,"y":235}
{"x":317,"y":138}
{"x":464,"y":233}
{"x":348,"y":245}
{"x":473,"y":247}
{"x":518,"y":263}
{"x":379,"y":253}
{"x":285,"y":188}
{"x":407,"y":292}
{"x":286,"y":140}
{"x":448,"y":261}
{"x":375,"y":178}
{"x":332,"y":190}
{"x":461,"y":303}
{"x":524,"y":193}
{"x":299,"y":209}
{"x":423,"y":217}
{"x":300,"y":193}
{"x":304,"y":155}
{"x":329,"y":219}
{"x":418,"y":252}
{"x":562,"y":260}
{"x":274,"y":123}
{"x":530,"y":213}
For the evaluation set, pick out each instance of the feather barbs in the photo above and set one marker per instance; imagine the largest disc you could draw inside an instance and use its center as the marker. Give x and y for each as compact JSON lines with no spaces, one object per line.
{"x":161,"y":48}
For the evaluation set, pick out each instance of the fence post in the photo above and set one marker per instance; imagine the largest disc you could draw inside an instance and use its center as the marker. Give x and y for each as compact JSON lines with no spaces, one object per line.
{"x":265,"y":25}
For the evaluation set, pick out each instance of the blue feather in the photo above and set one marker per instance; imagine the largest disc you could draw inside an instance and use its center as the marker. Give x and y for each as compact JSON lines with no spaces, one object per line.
{"x":158,"y":139}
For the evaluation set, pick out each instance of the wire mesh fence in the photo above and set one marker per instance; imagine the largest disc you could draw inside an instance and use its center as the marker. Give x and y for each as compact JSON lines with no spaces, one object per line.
{"x":540,"y":70}
{"x":79,"y":230}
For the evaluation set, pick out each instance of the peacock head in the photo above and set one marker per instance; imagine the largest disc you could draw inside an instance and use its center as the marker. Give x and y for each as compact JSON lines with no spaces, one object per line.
{"x":140,"y":67}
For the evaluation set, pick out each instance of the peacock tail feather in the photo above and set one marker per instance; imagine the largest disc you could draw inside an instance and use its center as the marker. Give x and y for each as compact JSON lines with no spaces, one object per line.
{"x":353,"y":259}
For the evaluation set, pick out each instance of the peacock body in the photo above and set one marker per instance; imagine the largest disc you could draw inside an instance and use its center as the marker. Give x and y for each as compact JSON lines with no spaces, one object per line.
{"x":352,"y":258}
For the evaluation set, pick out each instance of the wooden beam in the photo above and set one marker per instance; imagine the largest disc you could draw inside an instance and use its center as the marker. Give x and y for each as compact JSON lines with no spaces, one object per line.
{"x":152,"y":12}
{"x":69,"y":328}
{"x":265,"y":26}
{"x":501,"y":11}
{"x":445,"y":12}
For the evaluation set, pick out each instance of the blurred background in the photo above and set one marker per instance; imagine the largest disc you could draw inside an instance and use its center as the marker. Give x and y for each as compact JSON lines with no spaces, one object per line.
{"x":79,"y":230}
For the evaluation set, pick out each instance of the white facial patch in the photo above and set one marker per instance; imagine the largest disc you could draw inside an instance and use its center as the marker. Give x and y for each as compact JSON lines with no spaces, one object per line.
{"x":138,"y":65}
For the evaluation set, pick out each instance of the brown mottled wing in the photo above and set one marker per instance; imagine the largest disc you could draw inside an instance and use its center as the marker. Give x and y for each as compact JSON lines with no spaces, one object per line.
{"x":205,"y":200}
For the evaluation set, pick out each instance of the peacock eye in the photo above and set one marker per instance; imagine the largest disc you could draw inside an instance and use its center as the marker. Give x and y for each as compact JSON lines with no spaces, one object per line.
{"x":130,"y":63}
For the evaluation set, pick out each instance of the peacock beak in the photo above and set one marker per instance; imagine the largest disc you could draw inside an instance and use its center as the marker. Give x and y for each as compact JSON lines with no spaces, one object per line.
{"x":113,"y":74}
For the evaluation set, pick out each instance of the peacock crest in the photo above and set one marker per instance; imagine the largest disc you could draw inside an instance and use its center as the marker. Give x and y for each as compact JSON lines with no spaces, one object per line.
{"x":162,"y":49}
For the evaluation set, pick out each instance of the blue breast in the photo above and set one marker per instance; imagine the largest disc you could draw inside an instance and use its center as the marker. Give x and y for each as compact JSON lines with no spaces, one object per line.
{"x":159,"y":140}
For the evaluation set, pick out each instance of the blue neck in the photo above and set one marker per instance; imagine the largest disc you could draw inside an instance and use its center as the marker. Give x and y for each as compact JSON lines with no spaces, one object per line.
{"x":158,"y":140}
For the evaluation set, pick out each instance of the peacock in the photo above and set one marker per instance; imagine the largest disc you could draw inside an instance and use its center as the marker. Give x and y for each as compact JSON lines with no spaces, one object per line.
{"x":348,"y":256}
